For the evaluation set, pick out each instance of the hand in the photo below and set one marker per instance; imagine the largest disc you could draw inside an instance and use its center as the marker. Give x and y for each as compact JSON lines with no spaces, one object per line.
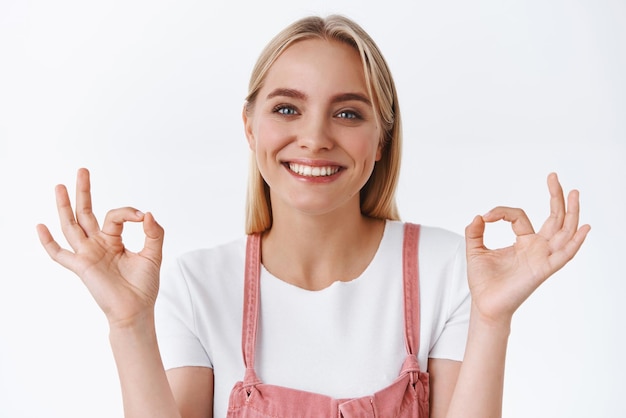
{"x":500,"y":280}
{"x":123,"y":283}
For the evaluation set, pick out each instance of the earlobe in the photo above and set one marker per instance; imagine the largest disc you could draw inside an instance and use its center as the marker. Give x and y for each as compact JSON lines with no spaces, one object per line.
{"x":247,"y":125}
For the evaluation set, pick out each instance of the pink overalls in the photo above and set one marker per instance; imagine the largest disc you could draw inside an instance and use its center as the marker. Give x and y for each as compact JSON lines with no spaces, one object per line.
{"x":407,"y":396}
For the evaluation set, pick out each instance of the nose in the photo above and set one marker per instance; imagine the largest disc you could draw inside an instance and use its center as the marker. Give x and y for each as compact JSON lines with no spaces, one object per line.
{"x":315,"y":134}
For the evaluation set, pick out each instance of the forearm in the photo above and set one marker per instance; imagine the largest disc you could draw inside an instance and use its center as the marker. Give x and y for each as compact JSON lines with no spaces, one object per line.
{"x":145,"y":389}
{"x":479,"y":389}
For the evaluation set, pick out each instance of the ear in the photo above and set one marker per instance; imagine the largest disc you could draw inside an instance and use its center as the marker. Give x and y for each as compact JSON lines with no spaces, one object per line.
{"x":379,"y":151}
{"x":247,"y":125}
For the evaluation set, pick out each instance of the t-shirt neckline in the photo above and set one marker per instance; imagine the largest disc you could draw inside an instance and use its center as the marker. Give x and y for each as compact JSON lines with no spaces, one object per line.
{"x":267,"y":275}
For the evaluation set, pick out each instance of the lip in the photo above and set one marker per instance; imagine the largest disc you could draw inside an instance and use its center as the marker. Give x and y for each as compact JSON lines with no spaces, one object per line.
{"x":337,"y":168}
{"x":312,"y":162}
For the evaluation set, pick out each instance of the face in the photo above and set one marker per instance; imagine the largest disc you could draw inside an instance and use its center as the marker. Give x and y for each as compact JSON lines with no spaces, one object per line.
{"x":313,"y":129}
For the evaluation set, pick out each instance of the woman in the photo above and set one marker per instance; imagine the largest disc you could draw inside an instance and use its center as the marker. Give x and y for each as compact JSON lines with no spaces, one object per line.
{"x":336,"y":320}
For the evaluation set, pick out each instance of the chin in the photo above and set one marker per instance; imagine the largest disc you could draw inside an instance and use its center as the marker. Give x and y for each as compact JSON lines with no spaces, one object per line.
{"x":317,"y":206}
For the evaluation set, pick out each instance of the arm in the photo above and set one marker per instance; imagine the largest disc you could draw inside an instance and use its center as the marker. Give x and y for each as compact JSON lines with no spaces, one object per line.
{"x":193,"y":390}
{"x":145,"y":388}
{"x":148,"y":390}
{"x":477,"y":382}
{"x":480,"y":384}
{"x":125,"y":286}
{"x":443,"y":377}
{"x":500,"y":281}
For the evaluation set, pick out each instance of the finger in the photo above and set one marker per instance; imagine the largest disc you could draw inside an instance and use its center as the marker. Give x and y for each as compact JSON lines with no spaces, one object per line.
{"x":48,"y":243}
{"x":114,"y":220}
{"x":54,"y":250}
{"x":517,"y":217}
{"x":570,"y":224}
{"x":557,"y":208}
{"x":559,"y":258}
{"x":84,"y":213}
{"x":153,"y":244}
{"x":572,"y":216}
{"x":474,"y":234}
{"x":73,"y":232}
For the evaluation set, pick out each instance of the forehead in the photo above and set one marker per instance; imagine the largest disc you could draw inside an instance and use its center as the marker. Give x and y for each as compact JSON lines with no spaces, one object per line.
{"x":318,"y":66}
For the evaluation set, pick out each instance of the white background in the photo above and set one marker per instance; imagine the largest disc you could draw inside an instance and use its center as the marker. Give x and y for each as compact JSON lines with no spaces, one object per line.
{"x":148,"y":95}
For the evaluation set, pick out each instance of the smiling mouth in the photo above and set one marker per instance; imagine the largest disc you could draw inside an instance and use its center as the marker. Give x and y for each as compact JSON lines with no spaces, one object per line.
{"x":313,"y":171}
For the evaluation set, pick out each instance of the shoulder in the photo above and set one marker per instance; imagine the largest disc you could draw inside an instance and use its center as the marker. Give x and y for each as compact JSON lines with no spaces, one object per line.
{"x":440,"y":239}
{"x":206,"y":266}
{"x":440,"y":252}
{"x":220,"y":257}
{"x":442,"y":249}
{"x":441,"y":255}
{"x":430,"y":237}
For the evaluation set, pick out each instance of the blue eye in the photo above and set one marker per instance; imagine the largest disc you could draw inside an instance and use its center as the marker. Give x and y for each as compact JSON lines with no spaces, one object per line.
{"x":285,"y":110}
{"x":348,"y":114}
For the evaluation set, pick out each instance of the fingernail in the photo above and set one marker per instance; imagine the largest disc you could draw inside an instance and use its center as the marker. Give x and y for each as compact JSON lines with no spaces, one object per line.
{"x":140,"y":213}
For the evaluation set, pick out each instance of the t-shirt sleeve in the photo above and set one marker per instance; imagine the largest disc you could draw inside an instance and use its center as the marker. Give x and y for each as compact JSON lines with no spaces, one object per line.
{"x":453,"y":338}
{"x":175,"y":322}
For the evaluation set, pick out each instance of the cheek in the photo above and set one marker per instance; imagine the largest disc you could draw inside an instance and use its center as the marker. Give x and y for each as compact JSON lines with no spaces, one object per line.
{"x":270,"y":136}
{"x":369,"y":149}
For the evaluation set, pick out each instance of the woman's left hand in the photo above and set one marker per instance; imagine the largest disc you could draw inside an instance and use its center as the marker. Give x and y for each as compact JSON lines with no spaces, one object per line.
{"x":501,"y":279}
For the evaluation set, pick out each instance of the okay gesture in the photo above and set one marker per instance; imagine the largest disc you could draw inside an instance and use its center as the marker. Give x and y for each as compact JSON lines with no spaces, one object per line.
{"x":501,"y":279}
{"x":123,"y":283}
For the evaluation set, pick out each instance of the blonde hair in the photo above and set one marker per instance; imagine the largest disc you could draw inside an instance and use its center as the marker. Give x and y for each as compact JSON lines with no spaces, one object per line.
{"x":378,"y":194}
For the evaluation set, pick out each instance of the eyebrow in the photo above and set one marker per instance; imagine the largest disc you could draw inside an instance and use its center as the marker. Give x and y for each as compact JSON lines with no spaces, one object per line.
{"x":281,"y":92}
{"x":297,"y":94}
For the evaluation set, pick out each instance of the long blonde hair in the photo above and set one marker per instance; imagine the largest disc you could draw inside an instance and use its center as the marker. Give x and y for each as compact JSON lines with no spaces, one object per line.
{"x":378,"y":194}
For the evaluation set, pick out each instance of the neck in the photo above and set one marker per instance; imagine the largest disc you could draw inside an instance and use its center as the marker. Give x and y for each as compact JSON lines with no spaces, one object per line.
{"x":313,"y":252}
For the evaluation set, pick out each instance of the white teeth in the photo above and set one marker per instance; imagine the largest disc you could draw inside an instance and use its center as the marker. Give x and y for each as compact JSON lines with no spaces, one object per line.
{"x":309,"y":171}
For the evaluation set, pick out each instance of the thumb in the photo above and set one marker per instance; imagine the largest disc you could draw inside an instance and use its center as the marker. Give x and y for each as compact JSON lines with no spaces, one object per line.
{"x":153,"y":243}
{"x":474,"y":234}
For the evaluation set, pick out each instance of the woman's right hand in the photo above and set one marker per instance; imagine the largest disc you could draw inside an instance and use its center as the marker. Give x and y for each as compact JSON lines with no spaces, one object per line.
{"x":123,"y":283}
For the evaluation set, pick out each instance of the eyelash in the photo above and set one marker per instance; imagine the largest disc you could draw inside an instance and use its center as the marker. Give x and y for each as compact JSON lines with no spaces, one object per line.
{"x":280,"y":109}
{"x":348,"y":114}
{"x":353,"y":115}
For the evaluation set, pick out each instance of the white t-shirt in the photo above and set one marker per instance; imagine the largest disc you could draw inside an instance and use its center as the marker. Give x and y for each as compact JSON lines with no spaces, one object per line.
{"x":344,"y":341}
